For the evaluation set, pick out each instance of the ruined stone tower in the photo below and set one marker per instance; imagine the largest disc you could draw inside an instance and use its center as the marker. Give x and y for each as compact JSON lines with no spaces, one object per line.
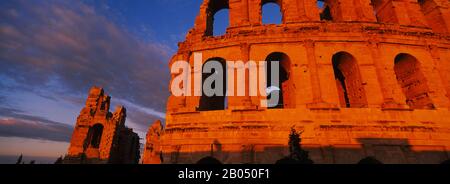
{"x":101,"y":136}
{"x":361,"y":78}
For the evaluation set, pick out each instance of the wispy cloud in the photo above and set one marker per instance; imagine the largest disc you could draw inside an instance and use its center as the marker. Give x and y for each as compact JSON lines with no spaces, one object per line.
{"x":13,"y":123}
{"x":12,"y":127}
{"x":59,"y":49}
{"x":67,"y":47}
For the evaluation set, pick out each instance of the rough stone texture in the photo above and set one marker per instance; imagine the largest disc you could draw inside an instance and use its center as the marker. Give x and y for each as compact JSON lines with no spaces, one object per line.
{"x":394,"y":54}
{"x":152,"y":151}
{"x":101,"y":136}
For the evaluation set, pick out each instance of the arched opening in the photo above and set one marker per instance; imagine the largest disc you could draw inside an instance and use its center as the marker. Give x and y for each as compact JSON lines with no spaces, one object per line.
{"x":218,"y":17}
{"x":348,"y":81}
{"x":325,"y":15}
{"x":283,"y":79}
{"x":369,"y":161}
{"x":325,"y":11}
{"x":221,"y":22}
{"x":412,"y":81}
{"x":271,"y":12}
{"x":95,"y":135}
{"x":214,"y":82}
{"x":209,"y":161}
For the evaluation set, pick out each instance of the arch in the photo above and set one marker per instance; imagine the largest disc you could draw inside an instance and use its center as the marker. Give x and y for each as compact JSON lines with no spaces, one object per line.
{"x":324,"y":10}
{"x":348,"y":81}
{"x":271,"y":12}
{"x":284,"y":81}
{"x":213,"y":102}
{"x":369,"y":160}
{"x":215,"y":7}
{"x":95,"y":135}
{"x":221,"y":22}
{"x":412,"y":81}
{"x":209,"y":161}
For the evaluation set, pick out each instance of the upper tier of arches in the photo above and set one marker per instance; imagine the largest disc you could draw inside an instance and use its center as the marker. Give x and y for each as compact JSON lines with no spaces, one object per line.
{"x":431,"y":14}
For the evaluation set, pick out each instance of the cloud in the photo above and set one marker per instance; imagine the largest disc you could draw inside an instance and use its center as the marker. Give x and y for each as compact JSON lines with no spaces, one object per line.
{"x":66,"y":47}
{"x":15,"y":124}
{"x":11,"y":127}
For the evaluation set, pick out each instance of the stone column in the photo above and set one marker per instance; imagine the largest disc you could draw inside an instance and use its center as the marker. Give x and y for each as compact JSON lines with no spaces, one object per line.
{"x":437,"y":13}
{"x":318,"y":102}
{"x":389,"y":102}
{"x":434,"y":50}
{"x":415,"y":14}
{"x":254,"y":10}
{"x":308,"y":10}
{"x":242,"y":102}
{"x":174,"y":103}
{"x":435,"y":80}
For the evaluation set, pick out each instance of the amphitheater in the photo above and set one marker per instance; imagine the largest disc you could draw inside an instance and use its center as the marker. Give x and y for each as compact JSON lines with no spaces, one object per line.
{"x":360,"y":78}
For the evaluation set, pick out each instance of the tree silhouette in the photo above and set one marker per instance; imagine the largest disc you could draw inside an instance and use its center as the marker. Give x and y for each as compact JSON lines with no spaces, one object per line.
{"x":19,"y":160}
{"x":296,"y":154}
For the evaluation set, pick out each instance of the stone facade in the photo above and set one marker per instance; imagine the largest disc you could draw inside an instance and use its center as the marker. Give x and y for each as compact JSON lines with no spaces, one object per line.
{"x":101,"y":136}
{"x":363,"y":78}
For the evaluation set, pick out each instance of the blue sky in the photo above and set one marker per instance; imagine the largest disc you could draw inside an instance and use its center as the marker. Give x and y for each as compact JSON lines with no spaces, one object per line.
{"x":53,"y":51}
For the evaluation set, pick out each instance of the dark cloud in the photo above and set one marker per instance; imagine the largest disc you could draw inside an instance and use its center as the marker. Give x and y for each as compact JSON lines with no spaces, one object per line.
{"x":11,"y":127}
{"x":66,"y":47}
{"x":15,"y":124}
{"x":18,"y":114}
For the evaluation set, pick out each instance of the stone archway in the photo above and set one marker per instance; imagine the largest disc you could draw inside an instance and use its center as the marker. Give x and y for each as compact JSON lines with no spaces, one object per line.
{"x":213,"y":8}
{"x":284,"y":83}
{"x":412,"y":81}
{"x":214,"y":102}
{"x":95,"y":135}
{"x":348,"y":81}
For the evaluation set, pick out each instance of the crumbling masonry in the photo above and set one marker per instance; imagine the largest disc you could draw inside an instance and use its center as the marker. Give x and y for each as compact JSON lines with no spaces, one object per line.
{"x":100,"y":136}
{"x":361,"y":78}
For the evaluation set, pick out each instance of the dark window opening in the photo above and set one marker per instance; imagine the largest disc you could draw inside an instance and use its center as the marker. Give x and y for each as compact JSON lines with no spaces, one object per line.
{"x":412,"y":81}
{"x":215,"y":102}
{"x":218,"y":18}
{"x":284,"y":63}
{"x":348,"y":81}
{"x":342,"y":88}
{"x":95,"y":135}
{"x":325,"y":15}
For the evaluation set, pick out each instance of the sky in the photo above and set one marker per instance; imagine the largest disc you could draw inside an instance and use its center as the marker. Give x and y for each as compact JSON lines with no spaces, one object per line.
{"x":53,"y":51}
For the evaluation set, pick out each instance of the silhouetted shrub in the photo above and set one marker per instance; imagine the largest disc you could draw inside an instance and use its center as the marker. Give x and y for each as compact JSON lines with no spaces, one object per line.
{"x":209,"y":161}
{"x":296,"y":154}
{"x":19,"y":160}
{"x":369,"y":160}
